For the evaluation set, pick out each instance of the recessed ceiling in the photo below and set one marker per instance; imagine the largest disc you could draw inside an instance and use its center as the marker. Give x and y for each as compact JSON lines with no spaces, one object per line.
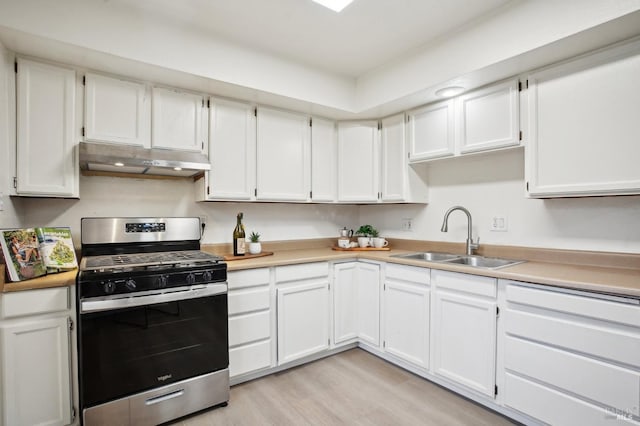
{"x":365,"y":35}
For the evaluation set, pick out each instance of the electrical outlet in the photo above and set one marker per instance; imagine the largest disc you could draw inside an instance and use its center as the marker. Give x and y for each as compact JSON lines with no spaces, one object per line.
{"x":407,"y":224}
{"x":499,"y":224}
{"x":203,"y":219}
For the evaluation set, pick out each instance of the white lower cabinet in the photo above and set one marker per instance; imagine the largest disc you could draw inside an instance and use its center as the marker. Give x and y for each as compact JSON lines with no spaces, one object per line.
{"x":356,"y":303}
{"x":571,"y":358}
{"x":36,"y":358}
{"x":464,"y":327}
{"x":250,"y":313}
{"x":303,"y":310}
{"x":406,"y":313}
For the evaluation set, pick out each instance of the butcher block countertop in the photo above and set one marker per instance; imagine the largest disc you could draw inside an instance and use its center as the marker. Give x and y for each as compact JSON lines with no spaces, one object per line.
{"x":612,"y":273}
{"x":603,"y":272}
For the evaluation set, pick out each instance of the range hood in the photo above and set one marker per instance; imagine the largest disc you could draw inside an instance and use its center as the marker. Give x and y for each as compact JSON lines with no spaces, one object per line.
{"x":128,"y":159}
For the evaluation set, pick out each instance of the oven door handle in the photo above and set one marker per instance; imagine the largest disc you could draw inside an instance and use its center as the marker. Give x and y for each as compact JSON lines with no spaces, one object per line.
{"x":98,"y":305}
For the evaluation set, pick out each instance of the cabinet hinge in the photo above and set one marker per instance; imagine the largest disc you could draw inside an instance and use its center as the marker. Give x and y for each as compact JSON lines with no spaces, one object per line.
{"x":527,"y":84}
{"x":519,"y":86}
{"x":255,"y":112}
{"x":15,"y":182}
{"x":379,"y":125}
{"x":73,"y":414}
{"x":310,"y":194}
{"x":520,"y":135}
{"x":255,"y":192}
{"x":202,"y":145}
{"x":497,"y":311}
{"x":208,"y":103}
{"x":311,"y":122}
{"x":207,"y":190}
{"x":202,"y":102}
{"x":82,"y":131}
{"x":495,"y":390}
{"x":84,"y":80}
{"x":408,"y":119}
{"x":527,"y":186}
{"x":384,"y":344}
{"x":15,"y":66}
{"x":70,"y":324}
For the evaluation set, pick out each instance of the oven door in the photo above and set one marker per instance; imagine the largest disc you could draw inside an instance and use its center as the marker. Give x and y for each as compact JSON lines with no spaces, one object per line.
{"x":133,"y":344}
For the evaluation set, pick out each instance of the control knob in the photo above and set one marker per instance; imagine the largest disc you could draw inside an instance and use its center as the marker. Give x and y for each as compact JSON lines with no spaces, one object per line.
{"x":130,"y":284}
{"x":207,"y":275}
{"x":162,"y":281}
{"x":109,"y":287}
{"x":191,"y":278}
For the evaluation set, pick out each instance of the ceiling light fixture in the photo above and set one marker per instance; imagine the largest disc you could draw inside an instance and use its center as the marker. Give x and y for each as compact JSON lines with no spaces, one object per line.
{"x":118,"y":164}
{"x":447,"y":92}
{"x":335,"y":5}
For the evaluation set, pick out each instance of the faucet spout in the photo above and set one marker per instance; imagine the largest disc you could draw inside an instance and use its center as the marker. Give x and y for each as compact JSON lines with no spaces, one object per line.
{"x":445,"y":227}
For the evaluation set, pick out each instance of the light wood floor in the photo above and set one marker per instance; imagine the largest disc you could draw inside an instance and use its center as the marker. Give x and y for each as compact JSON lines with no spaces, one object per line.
{"x":351,"y":388}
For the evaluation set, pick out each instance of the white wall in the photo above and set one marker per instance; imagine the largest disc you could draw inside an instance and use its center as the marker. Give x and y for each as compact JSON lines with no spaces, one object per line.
{"x":493,"y":185}
{"x":110,"y":196}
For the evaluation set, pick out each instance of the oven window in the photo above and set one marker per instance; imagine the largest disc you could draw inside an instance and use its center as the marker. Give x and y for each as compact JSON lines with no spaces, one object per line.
{"x":126,"y":351}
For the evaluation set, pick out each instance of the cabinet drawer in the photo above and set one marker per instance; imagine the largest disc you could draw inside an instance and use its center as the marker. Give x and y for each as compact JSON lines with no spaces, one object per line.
{"x":247,"y":358}
{"x":247,"y":300}
{"x":408,"y":273}
{"x":608,"y":384}
{"x":248,"y":278}
{"x":474,"y":284}
{"x":585,"y":306}
{"x":249,"y":328}
{"x":609,"y":343}
{"x":33,"y":302}
{"x":302,"y":271}
{"x":557,"y":408}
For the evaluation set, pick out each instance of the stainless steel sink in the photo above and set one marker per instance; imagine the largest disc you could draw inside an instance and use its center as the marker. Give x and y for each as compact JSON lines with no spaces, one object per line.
{"x":428,"y":256}
{"x":484,"y":262}
{"x":474,"y":261}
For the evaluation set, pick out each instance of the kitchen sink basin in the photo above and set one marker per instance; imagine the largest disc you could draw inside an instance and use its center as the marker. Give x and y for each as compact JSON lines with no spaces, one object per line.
{"x":474,"y":261}
{"x":484,"y":262}
{"x":428,"y":256}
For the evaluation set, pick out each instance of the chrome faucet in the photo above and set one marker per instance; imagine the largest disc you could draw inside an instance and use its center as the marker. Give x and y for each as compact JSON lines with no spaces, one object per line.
{"x":471,"y":246}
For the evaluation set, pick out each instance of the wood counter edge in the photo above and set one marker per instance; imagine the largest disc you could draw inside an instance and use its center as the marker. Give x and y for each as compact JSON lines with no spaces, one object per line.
{"x":61,"y":279}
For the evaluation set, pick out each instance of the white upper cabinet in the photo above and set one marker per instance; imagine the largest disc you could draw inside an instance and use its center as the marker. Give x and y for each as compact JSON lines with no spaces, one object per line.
{"x":177,"y":120}
{"x":116,"y":111}
{"x":47,"y":163}
{"x":358,"y":162}
{"x":283,"y":156}
{"x":324,"y":160}
{"x":232,"y":151}
{"x":489,"y":118}
{"x":394,"y":159}
{"x":584,"y":132}
{"x":431,"y":131}
{"x":400,"y":182}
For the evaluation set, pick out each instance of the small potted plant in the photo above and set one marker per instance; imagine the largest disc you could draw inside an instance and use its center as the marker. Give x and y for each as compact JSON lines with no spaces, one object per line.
{"x":255,"y":247}
{"x":365,"y":233}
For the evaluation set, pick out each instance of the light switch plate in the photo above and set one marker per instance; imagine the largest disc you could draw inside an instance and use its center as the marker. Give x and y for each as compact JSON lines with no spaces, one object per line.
{"x":499,"y":224}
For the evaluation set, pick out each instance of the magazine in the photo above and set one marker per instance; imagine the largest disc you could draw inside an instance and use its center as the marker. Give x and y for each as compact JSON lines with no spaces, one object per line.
{"x":22,"y":254}
{"x":56,"y":248}
{"x":33,"y":252}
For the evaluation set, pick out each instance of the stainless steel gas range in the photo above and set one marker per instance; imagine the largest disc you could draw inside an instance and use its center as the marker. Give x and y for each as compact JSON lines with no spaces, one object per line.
{"x":152,"y":322}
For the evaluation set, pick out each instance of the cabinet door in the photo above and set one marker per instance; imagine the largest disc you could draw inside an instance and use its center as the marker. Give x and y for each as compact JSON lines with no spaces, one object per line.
{"x":324,"y":159}
{"x":489,"y":118}
{"x":116,"y":111}
{"x":465,"y":340}
{"x":368,"y":304}
{"x":36,"y":373}
{"x":406,"y":321}
{"x":431,"y":131}
{"x":232,"y":151}
{"x":394,"y":159}
{"x":47,"y":163}
{"x":345,"y":302}
{"x":177,"y":120}
{"x":583,"y":124}
{"x":303,"y":320}
{"x":358,"y":167}
{"x":284,"y":156}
